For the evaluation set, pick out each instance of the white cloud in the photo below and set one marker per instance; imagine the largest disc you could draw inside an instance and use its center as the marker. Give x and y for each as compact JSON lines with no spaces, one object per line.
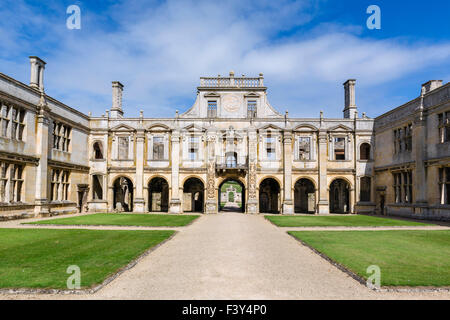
{"x":160,"y":52}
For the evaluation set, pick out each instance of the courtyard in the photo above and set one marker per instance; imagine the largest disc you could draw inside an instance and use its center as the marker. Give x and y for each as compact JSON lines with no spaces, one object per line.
{"x":226,"y":256}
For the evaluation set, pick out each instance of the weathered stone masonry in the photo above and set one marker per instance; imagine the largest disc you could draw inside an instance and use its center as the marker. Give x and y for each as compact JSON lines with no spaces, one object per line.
{"x":54,"y":159}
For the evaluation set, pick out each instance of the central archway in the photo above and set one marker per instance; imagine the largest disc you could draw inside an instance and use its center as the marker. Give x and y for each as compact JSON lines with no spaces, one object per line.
{"x":193,"y":195}
{"x":269,"y":196}
{"x":304,"y":196}
{"x":339,"y":196}
{"x":158,"y":195}
{"x":232,"y":195}
{"x":123,"y":194}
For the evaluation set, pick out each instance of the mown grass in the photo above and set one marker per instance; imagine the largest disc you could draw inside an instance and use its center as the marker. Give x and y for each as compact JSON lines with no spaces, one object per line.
{"x":126,"y":219}
{"x":39,"y":258}
{"x":406,"y":258}
{"x":339,"y":221}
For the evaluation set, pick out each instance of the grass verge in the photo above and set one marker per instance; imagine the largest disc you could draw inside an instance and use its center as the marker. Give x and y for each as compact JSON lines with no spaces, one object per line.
{"x":127,"y":219}
{"x":38,"y":258}
{"x":406,"y":258}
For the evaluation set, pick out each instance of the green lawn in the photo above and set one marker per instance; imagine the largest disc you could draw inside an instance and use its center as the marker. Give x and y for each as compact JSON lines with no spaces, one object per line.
{"x":338,"y":221}
{"x":406,"y":258}
{"x":38,"y":258}
{"x":127,"y":219}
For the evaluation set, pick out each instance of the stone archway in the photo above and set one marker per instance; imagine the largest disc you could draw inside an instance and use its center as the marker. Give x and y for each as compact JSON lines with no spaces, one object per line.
{"x":339,"y":196}
{"x":304,"y":196}
{"x":158,"y":195}
{"x":193,"y":195}
{"x":269,"y":194}
{"x":123,"y":194}
{"x":232,"y":195}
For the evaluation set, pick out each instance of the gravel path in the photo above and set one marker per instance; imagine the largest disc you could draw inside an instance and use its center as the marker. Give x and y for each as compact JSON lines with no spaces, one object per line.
{"x":235,"y":256}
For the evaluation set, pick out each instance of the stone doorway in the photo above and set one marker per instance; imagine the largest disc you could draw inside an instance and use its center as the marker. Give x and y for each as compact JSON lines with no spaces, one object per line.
{"x":269,"y":196}
{"x":193,"y":195}
{"x":158,"y":195}
{"x":123,"y":195}
{"x":339,"y":196}
{"x":232,"y":196}
{"x":304,"y":196}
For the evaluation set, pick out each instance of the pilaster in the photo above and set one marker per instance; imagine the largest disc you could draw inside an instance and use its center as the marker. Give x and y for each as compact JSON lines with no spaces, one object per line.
{"x":175,"y":202}
{"x":323,"y":206}
{"x":288,"y":206}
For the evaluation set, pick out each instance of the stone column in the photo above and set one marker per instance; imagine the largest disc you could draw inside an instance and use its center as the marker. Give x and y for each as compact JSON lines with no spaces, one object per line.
{"x":211,"y":199}
{"x":288,"y":206}
{"x":175,"y":202}
{"x":42,"y":144}
{"x":322,"y":206}
{"x":139,"y":203}
{"x":252,"y":201}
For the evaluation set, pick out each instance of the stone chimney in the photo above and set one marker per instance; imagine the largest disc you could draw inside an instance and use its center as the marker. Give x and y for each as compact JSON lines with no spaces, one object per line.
{"x":350,"y":110}
{"x":37,"y":73}
{"x":116,"y":110}
{"x":431,"y":85}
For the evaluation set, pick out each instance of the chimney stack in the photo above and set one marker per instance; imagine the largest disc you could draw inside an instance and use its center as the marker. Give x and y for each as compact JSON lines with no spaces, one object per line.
{"x":431,"y":85}
{"x":37,"y":73}
{"x":350,"y":110}
{"x":116,"y":110}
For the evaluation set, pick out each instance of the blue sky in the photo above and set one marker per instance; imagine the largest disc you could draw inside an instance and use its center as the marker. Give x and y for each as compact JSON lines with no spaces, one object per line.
{"x":159,"y":49}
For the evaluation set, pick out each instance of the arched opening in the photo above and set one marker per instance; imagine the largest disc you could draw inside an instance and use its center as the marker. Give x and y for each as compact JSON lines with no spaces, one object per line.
{"x":339,"y":196}
{"x":232,"y":196}
{"x":193,"y":195}
{"x":269,"y":196}
{"x":304,"y":196}
{"x":123,"y":194}
{"x":364,"y":151}
{"x":158,"y":195}
{"x":98,"y":150}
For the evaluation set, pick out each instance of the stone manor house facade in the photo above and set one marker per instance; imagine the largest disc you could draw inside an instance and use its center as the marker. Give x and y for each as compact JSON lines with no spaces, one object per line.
{"x":56,"y":160}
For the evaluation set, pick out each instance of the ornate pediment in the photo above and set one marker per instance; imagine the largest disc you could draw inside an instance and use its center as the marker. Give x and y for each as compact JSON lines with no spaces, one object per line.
{"x":340,"y":128}
{"x":193,"y":127}
{"x":123,"y":127}
{"x":306,"y":127}
{"x":158,"y":127}
{"x":270,"y":127}
{"x":212,"y":95}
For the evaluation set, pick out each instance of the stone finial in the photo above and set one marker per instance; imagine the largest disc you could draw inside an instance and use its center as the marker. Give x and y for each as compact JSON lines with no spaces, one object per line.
{"x":231,"y":73}
{"x":141,"y":113}
{"x":90,"y":114}
{"x":321,"y":114}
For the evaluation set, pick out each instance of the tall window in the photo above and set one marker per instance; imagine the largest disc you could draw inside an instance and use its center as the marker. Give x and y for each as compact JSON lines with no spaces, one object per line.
{"x":12,"y":122}
{"x":444,"y":126}
{"x":61,"y":136}
{"x":403,"y":139}
{"x":212,"y":109}
{"x":339,"y":148}
{"x":270,"y":148}
{"x":11,"y":181}
{"x":364,"y":151}
{"x":365,"y":188}
{"x":98,"y":150}
{"x":4,"y":120}
{"x":97,"y":187}
{"x":403,"y":186}
{"x":158,"y":148}
{"x":193,"y":148}
{"x":123,"y":148}
{"x":59,"y":186}
{"x":251,"y":109}
{"x":444,"y":185}
{"x":304,"y":148}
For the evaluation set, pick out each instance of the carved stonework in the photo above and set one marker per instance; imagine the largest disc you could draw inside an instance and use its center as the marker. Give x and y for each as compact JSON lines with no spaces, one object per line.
{"x":211,"y":180}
